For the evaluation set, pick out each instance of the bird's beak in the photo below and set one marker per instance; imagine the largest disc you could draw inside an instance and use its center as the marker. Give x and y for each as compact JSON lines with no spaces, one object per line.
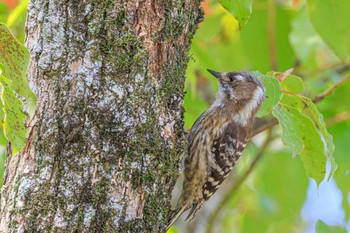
{"x":215,"y":73}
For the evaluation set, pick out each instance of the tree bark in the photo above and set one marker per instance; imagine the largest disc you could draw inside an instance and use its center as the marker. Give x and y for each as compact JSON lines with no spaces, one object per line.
{"x":103,"y":148}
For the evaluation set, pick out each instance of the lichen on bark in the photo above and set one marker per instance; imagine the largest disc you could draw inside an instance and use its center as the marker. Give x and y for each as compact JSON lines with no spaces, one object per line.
{"x":104,"y":146}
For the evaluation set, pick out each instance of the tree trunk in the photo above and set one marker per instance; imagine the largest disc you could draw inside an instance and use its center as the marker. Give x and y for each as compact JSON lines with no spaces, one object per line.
{"x":103,"y":149}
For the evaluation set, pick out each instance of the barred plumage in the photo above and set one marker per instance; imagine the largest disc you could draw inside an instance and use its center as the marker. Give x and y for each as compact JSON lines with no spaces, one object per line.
{"x":218,"y":138}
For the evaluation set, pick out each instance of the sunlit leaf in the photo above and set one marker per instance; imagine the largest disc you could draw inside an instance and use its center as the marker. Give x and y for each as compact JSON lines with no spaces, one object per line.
{"x":240,"y":9}
{"x":230,"y":26}
{"x":15,"y":59}
{"x":273,"y":93}
{"x":331,"y":20}
{"x":14,"y":118}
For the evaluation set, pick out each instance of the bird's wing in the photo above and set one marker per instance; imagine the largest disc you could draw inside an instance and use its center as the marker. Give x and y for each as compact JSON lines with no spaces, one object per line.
{"x":225,"y":151}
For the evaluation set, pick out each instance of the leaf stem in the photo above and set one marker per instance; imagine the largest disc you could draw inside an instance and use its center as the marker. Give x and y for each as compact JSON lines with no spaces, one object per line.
{"x":285,"y":74}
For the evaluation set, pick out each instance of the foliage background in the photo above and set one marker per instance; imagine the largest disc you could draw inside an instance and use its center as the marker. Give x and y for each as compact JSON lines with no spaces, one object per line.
{"x":13,"y":13}
{"x":306,"y":35}
{"x":310,"y":36}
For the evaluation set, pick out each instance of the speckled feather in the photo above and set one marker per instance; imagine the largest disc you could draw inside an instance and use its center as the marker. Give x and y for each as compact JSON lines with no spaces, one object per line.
{"x":221,"y":147}
{"x":217,"y":139}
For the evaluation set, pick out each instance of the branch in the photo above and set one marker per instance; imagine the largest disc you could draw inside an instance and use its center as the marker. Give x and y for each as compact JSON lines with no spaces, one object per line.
{"x":264,"y":127}
{"x":330,"y":90}
{"x":234,"y":188}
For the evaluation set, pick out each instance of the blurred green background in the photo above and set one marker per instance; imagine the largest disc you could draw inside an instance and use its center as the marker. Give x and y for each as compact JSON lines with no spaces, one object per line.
{"x":313,"y":37}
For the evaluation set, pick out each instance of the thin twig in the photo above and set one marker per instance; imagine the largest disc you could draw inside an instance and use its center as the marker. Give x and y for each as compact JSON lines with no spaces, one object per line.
{"x":264,"y":127}
{"x":330,"y":90}
{"x":241,"y":179}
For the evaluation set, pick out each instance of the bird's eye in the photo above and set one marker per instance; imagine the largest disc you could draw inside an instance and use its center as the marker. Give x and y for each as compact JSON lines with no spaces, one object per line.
{"x":232,"y":78}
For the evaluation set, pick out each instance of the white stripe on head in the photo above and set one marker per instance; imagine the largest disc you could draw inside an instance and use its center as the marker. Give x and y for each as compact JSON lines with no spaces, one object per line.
{"x":240,"y":78}
{"x":242,"y":117}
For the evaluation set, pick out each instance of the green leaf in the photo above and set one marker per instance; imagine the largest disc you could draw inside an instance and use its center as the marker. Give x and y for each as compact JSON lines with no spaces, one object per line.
{"x":14,"y":58}
{"x":331,"y":20}
{"x":293,"y":84}
{"x":326,"y":136}
{"x":313,"y":157}
{"x":292,"y":134}
{"x":14,"y":119}
{"x":293,"y":101}
{"x":273,"y":93}
{"x":321,"y":227}
{"x":240,"y":9}
{"x":297,"y":130}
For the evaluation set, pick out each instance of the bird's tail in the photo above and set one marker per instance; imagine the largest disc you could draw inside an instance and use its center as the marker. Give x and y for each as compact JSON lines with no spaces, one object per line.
{"x":194,"y":209}
{"x":192,"y":213}
{"x":174,"y":215}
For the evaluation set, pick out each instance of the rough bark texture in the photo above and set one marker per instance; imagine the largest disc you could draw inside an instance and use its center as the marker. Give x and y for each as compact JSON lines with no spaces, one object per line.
{"x":103,"y":148}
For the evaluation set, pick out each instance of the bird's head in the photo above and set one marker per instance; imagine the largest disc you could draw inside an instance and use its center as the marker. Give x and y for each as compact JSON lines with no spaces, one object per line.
{"x":239,"y":86}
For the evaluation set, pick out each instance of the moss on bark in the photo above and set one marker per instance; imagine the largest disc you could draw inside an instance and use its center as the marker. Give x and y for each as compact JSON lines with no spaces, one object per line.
{"x":104,"y":146}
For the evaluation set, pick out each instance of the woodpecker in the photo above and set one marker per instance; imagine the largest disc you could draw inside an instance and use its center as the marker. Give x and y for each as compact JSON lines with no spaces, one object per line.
{"x":217,"y":139}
